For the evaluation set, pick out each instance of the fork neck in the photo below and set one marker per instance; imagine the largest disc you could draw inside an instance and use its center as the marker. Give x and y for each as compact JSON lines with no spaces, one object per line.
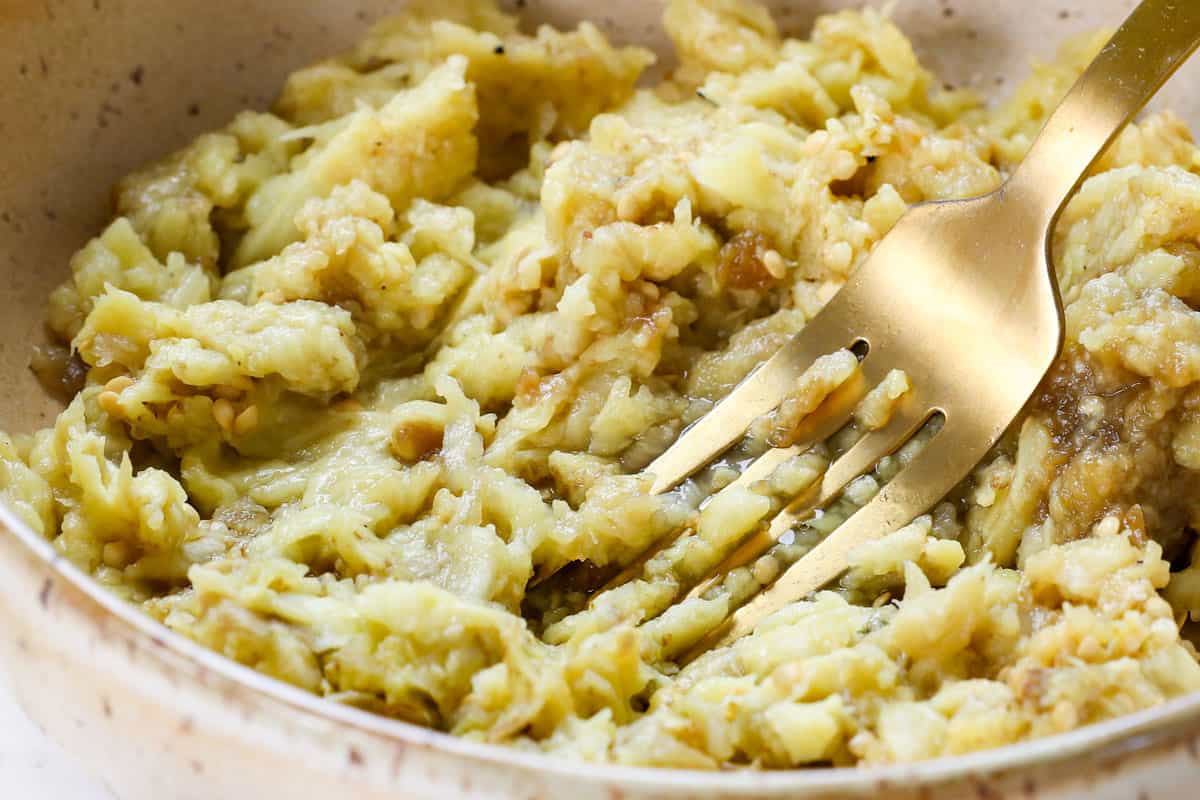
{"x":1144,"y":52}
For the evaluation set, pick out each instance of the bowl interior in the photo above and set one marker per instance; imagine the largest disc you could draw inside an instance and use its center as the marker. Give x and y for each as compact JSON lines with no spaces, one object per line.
{"x":94,"y":88}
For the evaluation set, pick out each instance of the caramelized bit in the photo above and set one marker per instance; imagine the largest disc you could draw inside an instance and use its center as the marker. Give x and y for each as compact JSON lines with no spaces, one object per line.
{"x":528,"y":384}
{"x":1060,"y":400}
{"x":1134,"y":521}
{"x":60,"y":372}
{"x":416,"y":441}
{"x":742,"y":264}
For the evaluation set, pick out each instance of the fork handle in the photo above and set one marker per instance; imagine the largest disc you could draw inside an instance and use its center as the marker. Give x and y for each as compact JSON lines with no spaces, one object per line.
{"x":1144,"y":52}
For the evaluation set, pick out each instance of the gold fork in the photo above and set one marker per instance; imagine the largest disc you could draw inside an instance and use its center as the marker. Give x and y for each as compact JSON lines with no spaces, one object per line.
{"x":961,"y":295}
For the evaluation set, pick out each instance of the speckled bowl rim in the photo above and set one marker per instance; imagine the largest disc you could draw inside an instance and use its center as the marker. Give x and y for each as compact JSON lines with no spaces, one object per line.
{"x":1128,"y":734}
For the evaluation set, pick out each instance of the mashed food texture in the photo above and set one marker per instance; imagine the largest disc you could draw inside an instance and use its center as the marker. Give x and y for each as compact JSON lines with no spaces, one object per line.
{"x":371,"y":379}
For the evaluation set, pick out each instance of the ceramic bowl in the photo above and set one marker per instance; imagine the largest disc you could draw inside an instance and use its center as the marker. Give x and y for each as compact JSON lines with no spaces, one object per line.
{"x":91,"y":89}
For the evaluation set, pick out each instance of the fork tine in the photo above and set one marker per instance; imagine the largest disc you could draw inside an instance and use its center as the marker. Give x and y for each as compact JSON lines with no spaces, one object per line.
{"x":819,"y":426}
{"x":760,"y":392}
{"x":858,"y":460}
{"x":932,"y":472}
{"x":822,"y":423}
{"x":761,"y":468}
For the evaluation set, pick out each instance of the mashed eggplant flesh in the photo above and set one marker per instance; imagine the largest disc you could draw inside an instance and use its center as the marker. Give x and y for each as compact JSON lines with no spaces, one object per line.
{"x":363,"y":371}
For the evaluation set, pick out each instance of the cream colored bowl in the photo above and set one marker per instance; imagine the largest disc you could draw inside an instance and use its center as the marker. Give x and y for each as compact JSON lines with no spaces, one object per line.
{"x":90,"y":89}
